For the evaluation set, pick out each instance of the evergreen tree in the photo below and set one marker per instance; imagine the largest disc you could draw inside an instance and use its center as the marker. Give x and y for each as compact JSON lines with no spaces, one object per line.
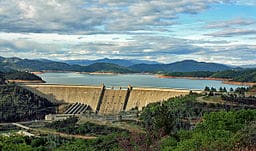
{"x":207,"y":89}
{"x":213,"y":89}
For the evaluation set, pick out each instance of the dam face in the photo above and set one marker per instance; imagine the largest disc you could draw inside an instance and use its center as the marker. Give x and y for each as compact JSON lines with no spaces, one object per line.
{"x":141,"y":97}
{"x":68,"y":93}
{"x":113,"y":101}
{"x":104,"y":100}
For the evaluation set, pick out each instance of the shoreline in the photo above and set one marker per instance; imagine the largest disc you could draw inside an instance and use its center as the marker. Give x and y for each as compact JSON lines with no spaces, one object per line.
{"x":100,"y":73}
{"x":239,"y":83}
{"x":112,"y":73}
{"x":26,"y":81}
{"x":37,"y":72}
{"x":223,"y":80}
{"x":51,"y":71}
{"x":89,"y":73}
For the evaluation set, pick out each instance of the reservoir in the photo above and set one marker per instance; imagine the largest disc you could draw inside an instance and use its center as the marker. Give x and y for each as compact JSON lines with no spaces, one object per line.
{"x":136,"y":80}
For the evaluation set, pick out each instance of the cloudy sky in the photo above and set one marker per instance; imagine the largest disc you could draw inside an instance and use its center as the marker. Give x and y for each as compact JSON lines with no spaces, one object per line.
{"x":222,"y":31}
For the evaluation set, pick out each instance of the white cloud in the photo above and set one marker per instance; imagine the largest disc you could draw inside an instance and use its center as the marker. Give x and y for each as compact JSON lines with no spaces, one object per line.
{"x":233,"y":32}
{"x":246,"y":2}
{"x":78,"y":16}
{"x":230,"y":23}
{"x":89,"y":29}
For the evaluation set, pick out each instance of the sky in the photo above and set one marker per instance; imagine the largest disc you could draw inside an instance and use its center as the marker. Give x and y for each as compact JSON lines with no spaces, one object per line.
{"x":221,"y":31}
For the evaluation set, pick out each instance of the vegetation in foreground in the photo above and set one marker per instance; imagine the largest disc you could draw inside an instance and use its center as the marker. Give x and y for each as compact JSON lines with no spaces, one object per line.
{"x":70,"y":126}
{"x":53,"y":142}
{"x":232,"y":130}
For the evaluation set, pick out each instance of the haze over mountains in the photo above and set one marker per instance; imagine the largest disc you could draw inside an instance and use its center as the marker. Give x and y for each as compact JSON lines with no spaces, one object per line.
{"x":108,"y":65}
{"x":120,"y":62}
{"x":249,"y":66}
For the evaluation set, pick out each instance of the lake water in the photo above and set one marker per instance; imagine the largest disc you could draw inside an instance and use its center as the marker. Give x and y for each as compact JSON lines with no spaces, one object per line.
{"x":136,"y":80}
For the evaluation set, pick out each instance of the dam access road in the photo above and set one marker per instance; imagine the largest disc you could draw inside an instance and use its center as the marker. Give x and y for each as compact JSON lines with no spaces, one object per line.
{"x":104,"y":100}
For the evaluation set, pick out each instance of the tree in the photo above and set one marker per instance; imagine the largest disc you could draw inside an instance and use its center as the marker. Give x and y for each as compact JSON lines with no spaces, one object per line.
{"x":207,"y":89}
{"x":211,"y":93}
{"x":19,"y":104}
{"x":220,"y":90}
{"x":213,"y":89}
{"x":2,"y":80}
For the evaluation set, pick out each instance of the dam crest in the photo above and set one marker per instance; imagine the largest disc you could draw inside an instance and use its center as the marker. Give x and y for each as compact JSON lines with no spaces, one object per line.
{"x":105,"y":100}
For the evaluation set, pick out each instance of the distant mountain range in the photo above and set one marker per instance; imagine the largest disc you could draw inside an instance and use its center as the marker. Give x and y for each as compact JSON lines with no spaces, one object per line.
{"x":120,"y":62}
{"x":7,"y":64}
{"x":181,"y":66}
{"x":115,"y":66}
{"x":248,"y":66}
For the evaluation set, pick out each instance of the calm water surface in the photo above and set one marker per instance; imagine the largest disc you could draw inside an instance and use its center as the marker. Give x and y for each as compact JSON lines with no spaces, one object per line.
{"x":136,"y":80}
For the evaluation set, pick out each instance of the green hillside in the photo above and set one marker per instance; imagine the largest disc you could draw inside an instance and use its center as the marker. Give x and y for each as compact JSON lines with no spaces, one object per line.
{"x":107,"y":67}
{"x":245,"y":75}
{"x":242,"y":75}
{"x":181,"y":66}
{"x":19,"y":104}
{"x":18,"y":75}
{"x":203,"y":74}
{"x":8,"y":64}
{"x":41,"y":65}
{"x":178,"y":124}
{"x":37,"y":65}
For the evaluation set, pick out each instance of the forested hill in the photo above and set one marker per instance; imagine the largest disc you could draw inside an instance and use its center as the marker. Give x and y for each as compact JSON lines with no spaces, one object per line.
{"x":182,"y":66}
{"x":243,"y":75}
{"x":36,"y":65}
{"x":17,"y":75}
{"x":7,"y":64}
{"x":5,"y":68}
{"x":19,"y":104}
{"x":42,"y":65}
{"x":186,"y":68}
{"x":120,"y":62}
{"x":107,"y":67}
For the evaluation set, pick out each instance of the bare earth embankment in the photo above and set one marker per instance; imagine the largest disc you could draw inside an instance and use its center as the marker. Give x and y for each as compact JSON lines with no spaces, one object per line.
{"x":26,"y":81}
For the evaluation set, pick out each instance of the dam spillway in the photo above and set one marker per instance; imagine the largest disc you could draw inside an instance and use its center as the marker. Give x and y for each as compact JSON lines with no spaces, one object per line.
{"x":104,"y":100}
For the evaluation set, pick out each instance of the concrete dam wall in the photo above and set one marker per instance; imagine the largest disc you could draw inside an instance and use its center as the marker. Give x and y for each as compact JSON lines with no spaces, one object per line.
{"x":104,"y":100}
{"x":68,"y":93}
{"x":113,"y":101}
{"x":141,"y":97}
